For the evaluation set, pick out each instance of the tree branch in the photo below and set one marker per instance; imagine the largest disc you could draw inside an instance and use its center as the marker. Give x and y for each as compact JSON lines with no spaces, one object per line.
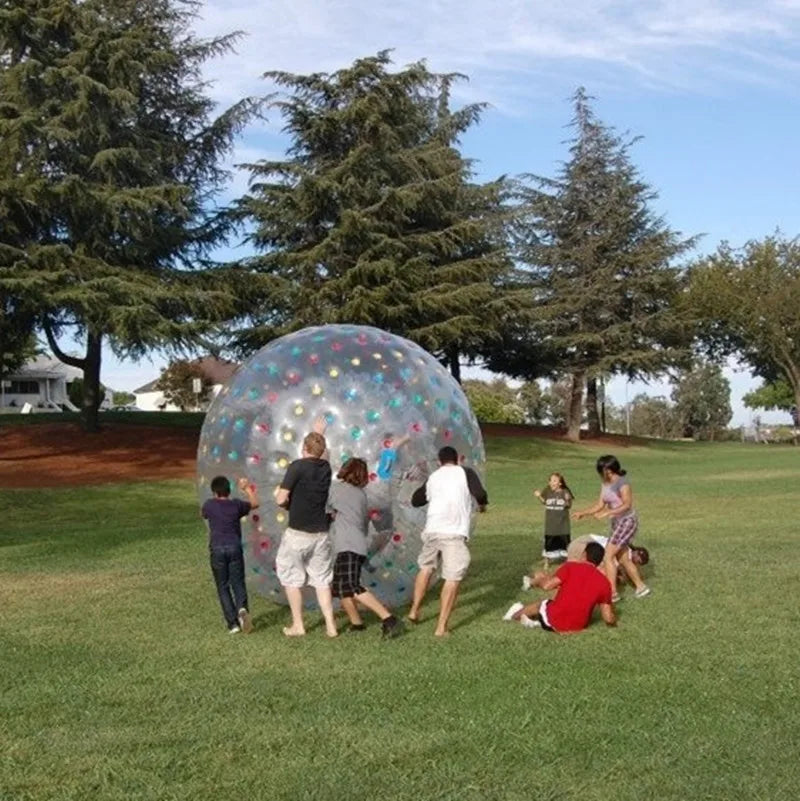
{"x":72,"y":361}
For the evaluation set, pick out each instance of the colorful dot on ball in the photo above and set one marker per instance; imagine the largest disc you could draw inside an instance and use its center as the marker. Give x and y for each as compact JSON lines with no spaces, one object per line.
{"x":233,"y":455}
{"x":377,"y":356}
{"x":418,"y":399}
{"x":356,"y":433}
{"x":253,"y":394}
{"x":333,"y":372}
{"x":240,"y":425}
{"x":330,"y":417}
{"x":313,"y":358}
{"x":299,"y":410}
{"x":378,"y":378}
{"x":288,"y":436}
{"x":397,"y":538}
{"x":280,"y":517}
{"x":373,"y":416}
{"x":272,"y":369}
{"x":336,"y":346}
{"x":316,"y":390}
{"x":282,"y":463}
{"x":395,"y":403}
{"x":355,"y":361}
{"x":272,"y":397}
{"x":440,"y":404}
{"x":296,"y":351}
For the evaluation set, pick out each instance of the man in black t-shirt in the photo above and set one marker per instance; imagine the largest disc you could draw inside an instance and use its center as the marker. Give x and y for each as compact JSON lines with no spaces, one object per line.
{"x":305,"y":552}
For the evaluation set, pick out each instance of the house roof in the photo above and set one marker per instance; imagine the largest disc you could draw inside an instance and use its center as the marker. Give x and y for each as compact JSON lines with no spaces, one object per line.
{"x":45,"y":367}
{"x":217,"y":371}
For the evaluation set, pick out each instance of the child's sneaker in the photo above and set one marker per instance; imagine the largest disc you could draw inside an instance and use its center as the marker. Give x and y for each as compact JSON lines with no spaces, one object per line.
{"x":356,"y":627}
{"x":642,"y":592}
{"x":526,"y":582}
{"x":245,"y":621}
{"x":512,"y":610}
{"x":234,"y":629}
{"x":391,"y":627}
{"x":615,"y":598}
{"x":529,"y":623}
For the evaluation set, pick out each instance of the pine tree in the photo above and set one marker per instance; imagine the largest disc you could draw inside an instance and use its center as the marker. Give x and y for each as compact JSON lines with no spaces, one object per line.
{"x":600,"y":267}
{"x":374,"y":217}
{"x":108,"y":171}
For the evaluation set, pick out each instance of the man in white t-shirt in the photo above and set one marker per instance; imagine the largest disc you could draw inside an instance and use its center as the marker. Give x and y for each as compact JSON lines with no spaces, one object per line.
{"x":448,"y":494}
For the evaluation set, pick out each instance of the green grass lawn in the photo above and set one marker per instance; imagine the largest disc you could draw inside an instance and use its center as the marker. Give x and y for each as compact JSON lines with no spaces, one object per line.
{"x":119,"y":681}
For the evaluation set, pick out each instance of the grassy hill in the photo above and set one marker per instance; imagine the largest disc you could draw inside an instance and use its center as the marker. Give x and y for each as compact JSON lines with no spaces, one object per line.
{"x":119,"y":681}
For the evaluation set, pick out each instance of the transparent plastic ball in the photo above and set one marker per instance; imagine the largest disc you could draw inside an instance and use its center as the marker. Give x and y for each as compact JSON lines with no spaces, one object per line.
{"x":384,"y":399}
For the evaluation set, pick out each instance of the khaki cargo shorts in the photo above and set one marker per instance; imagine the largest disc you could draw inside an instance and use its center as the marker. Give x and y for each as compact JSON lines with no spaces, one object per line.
{"x":304,"y":556}
{"x":451,"y":552}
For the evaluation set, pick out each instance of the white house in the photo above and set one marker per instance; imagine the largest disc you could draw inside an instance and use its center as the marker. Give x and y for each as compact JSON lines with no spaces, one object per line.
{"x":150,"y":399}
{"x":42,"y":383}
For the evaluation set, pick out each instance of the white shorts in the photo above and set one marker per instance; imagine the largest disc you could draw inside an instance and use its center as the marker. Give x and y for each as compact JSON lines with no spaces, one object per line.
{"x":453,"y":553}
{"x":302,"y":556}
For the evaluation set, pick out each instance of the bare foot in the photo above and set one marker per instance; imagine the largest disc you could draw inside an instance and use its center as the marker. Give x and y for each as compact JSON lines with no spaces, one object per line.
{"x":444,"y":633}
{"x":332,"y":633}
{"x":292,"y":632}
{"x":413,"y":620}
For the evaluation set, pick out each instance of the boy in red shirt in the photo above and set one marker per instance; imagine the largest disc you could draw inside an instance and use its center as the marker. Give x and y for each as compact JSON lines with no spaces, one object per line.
{"x":581,"y":587}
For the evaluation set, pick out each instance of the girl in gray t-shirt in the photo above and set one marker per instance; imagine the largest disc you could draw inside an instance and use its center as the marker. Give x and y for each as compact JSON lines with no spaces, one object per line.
{"x":347,"y":504}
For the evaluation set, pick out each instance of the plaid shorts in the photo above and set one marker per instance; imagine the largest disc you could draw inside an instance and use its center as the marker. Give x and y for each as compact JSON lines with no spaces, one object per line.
{"x":623,"y":530}
{"x":347,"y":574}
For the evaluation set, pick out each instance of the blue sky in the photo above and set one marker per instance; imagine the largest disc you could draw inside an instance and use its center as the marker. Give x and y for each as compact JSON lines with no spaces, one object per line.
{"x":712,"y":87}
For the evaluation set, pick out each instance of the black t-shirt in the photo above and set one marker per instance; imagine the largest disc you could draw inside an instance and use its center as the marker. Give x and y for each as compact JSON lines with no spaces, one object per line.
{"x":308,"y":481}
{"x":224,"y":520}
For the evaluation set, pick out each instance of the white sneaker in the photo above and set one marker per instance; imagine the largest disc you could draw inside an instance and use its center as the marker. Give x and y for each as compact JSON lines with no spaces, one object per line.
{"x":512,"y":610}
{"x":643,"y":592}
{"x":234,"y":629}
{"x":526,"y":582}
{"x":245,"y":621}
{"x":615,"y":598}
{"x":529,"y":623}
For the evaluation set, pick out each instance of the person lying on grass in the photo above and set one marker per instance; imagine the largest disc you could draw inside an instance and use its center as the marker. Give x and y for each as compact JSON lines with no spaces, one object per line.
{"x":640,"y":556}
{"x":580,"y":588}
{"x":223,"y":515}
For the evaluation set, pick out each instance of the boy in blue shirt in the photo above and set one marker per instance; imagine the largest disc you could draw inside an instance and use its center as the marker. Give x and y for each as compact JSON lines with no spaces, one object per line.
{"x":224,"y":517}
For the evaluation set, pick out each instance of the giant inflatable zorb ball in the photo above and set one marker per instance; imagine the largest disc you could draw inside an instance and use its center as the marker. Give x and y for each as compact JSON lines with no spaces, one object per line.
{"x":384,"y":399}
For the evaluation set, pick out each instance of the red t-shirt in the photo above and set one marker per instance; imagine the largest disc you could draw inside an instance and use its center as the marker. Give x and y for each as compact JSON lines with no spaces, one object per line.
{"x":583,"y":586}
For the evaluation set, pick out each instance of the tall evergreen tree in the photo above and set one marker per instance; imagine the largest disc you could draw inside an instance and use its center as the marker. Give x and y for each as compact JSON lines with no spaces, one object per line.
{"x":110,"y":162}
{"x":374,"y":216}
{"x":599,"y":264}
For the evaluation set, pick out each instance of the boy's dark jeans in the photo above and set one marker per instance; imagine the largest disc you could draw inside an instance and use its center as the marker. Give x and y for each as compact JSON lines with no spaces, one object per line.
{"x":227,"y":565}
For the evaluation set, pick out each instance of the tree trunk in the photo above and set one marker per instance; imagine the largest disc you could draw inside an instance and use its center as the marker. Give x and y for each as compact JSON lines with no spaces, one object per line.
{"x":90,"y":364}
{"x":91,"y":383}
{"x":592,"y":414}
{"x":575,"y":408}
{"x":454,"y":362}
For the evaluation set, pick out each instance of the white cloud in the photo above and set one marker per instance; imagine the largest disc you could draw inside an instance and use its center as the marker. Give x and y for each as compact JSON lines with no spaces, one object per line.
{"x":515,"y":49}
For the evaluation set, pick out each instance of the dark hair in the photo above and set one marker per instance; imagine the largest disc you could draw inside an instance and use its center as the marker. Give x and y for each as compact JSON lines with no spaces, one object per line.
{"x":221,"y":486}
{"x":448,"y":455}
{"x":610,"y":463}
{"x":595,"y":553}
{"x":563,"y":483}
{"x":643,"y":554}
{"x":354,"y":471}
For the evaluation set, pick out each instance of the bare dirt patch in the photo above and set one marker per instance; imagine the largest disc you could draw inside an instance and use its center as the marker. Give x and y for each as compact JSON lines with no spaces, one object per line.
{"x":61,"y":454}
